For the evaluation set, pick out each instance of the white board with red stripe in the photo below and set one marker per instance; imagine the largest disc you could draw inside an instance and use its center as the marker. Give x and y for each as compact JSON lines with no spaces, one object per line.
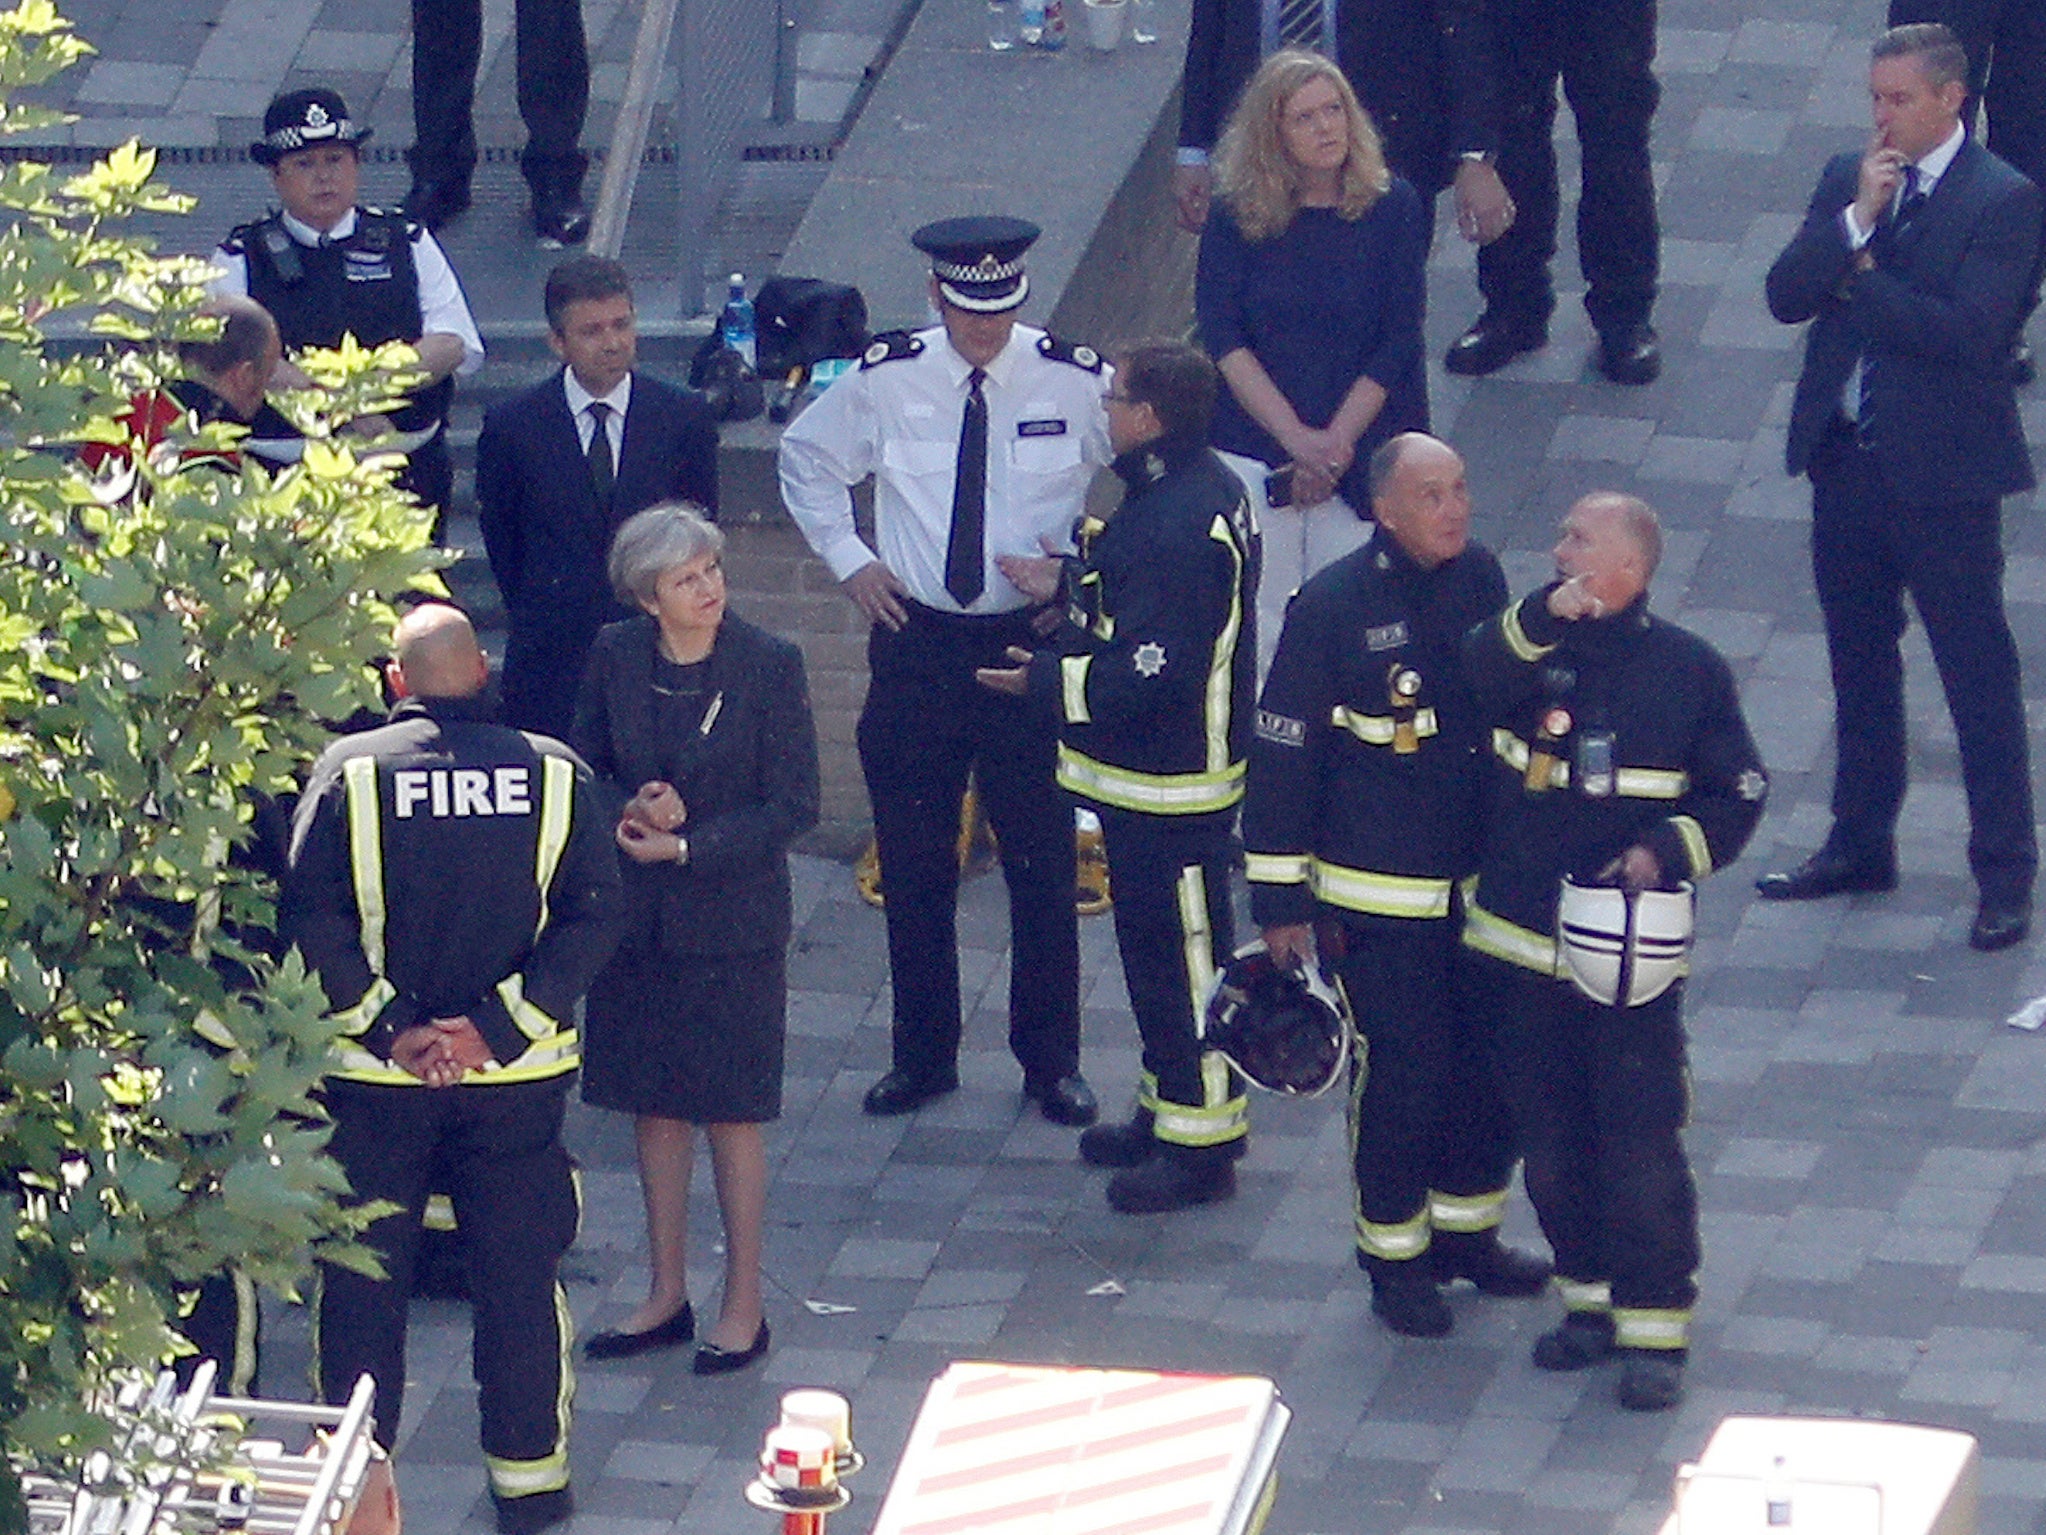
{"x":1044,"y":1450}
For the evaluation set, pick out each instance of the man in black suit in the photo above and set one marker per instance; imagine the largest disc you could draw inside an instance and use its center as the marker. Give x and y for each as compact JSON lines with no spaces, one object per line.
{"x":559,"y":467}
{"x":1602,"y":53}
{"x":1913,"y":266}
{"x":2006,"y":45}
{"x":1424,"y":70}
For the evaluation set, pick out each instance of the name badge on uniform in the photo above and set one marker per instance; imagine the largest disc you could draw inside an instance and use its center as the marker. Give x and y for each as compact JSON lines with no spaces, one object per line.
{"x":1386,"y":636}
{"x":366,"y":266}
{"x":1053,"y":428}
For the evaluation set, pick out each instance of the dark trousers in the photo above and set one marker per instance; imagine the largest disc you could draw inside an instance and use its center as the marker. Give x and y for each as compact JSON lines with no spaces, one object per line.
{"x":926,"y":725}
{"x":224,"y":1325}
{"x":544,"y":656}
{"x":1599,"y":1099}
{"x":1173,"y":930}
{"x":429,"y":474}
{"x":514,"y":1194}
{"x":554,"y":89}
{"x":1426,"y":1117}
{"x":1603,"y":52}
{"x":1868,"y":549}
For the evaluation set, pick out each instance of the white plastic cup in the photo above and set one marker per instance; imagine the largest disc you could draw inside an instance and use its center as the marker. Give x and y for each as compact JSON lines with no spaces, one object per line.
{"x":1104,"y":23}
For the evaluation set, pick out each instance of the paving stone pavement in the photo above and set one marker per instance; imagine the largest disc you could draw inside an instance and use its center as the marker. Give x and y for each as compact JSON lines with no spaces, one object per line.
{"x":1867,"y":1134}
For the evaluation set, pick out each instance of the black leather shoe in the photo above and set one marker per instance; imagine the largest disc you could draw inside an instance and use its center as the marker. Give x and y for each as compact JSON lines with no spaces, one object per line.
{"x":559,"y":217}
{"x":712,"y":1360}
{"x":2023,"y":366}
{"x":1488,"y":1263}
{"x":1404,"y":1298}
{"x":1651,"y":1379}
{"x":901,"y":1093}
{"x":1066,"y":1101}
{"x":434,"y":203}
{"x":1999,"y":924}
{"x":1585,"y":1338}
{"x":1492,"y":342}
{"x":533,"y":1513}
{"x":679,"y":1328}
{"x":1630,"y":354}
{"x":1828,"y":873}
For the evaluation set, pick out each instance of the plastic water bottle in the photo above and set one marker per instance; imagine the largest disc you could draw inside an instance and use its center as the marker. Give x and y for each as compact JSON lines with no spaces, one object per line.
{"x":1054,"y":26}
{"x":1143,"y":21}
{"x":1001,"y":25}
{"x":736,"y":322}
{"x":1031,"y":22}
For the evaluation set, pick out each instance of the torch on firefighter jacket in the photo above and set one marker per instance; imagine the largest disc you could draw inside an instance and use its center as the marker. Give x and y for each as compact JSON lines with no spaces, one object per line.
{"x":1603,"y":733}
{"x":1154,"y":693}
{"x":1364,"y":788}
{"x":444,"y":866}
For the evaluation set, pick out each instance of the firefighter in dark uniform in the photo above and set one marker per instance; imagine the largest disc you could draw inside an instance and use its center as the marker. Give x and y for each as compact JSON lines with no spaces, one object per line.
{"x":454,"y":884}
{"x":1360,"y":815}
{"x":1619,"y":758}
{"x":982,"y":436}
{"x":326,"y":268}
{"x":1151,"y":684}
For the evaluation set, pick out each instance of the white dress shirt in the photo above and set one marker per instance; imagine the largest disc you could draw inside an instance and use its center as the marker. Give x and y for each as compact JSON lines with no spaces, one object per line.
{"x":442,"y":308}
{"x":900,"y":422}
{"x":579,"y":402}
{"x":1929,"y":169}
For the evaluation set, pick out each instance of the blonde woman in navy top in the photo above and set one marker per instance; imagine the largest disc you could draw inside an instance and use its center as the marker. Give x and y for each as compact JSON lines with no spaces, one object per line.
{"x":1310,"y":298}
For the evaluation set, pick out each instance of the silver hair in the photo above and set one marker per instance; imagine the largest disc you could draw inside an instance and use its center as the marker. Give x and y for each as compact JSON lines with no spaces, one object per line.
{"x":656,"y":540}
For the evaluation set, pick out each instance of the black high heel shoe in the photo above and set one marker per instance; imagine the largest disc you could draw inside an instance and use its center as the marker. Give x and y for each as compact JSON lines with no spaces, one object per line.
{"x":679,"y":1328}
{"x":712,"y":1360}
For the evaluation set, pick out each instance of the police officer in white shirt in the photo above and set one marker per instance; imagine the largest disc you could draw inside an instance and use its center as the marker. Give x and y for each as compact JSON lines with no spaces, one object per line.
{"x":326,"y":267}
{"x":982,"y":436}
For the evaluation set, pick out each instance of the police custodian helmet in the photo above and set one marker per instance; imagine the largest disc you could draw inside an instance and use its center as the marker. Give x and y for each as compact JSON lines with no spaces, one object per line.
{"x":1287,"y":1030}
{"x":978,"y":261}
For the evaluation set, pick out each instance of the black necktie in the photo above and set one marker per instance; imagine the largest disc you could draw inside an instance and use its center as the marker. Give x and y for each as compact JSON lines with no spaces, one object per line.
{"x":1300,"y":24}
{"x":965,"y":550}
{"x":1913,"y":198}
{"x":601,"y":471}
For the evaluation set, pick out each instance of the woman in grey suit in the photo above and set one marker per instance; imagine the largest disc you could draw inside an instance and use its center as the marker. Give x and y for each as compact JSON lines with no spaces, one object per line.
{"x":701,"y":724}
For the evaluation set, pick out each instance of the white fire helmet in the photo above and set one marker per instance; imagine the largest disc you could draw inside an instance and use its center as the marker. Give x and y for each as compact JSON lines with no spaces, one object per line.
{"x":1624,"y":947}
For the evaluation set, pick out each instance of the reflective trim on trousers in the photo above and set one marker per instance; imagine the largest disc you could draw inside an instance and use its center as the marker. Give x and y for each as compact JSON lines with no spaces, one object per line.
{"x":1645,"y":1327}
{"x":549,"y":1473}
{"x":1589,"y":1295}
{"x":1276,"y":868}
{"x":1397,"y":1242}
{"x":1466,"y":1212}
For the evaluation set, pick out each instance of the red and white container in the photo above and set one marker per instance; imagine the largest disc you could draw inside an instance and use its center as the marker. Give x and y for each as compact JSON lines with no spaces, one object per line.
{"x":1043,"y":1450}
